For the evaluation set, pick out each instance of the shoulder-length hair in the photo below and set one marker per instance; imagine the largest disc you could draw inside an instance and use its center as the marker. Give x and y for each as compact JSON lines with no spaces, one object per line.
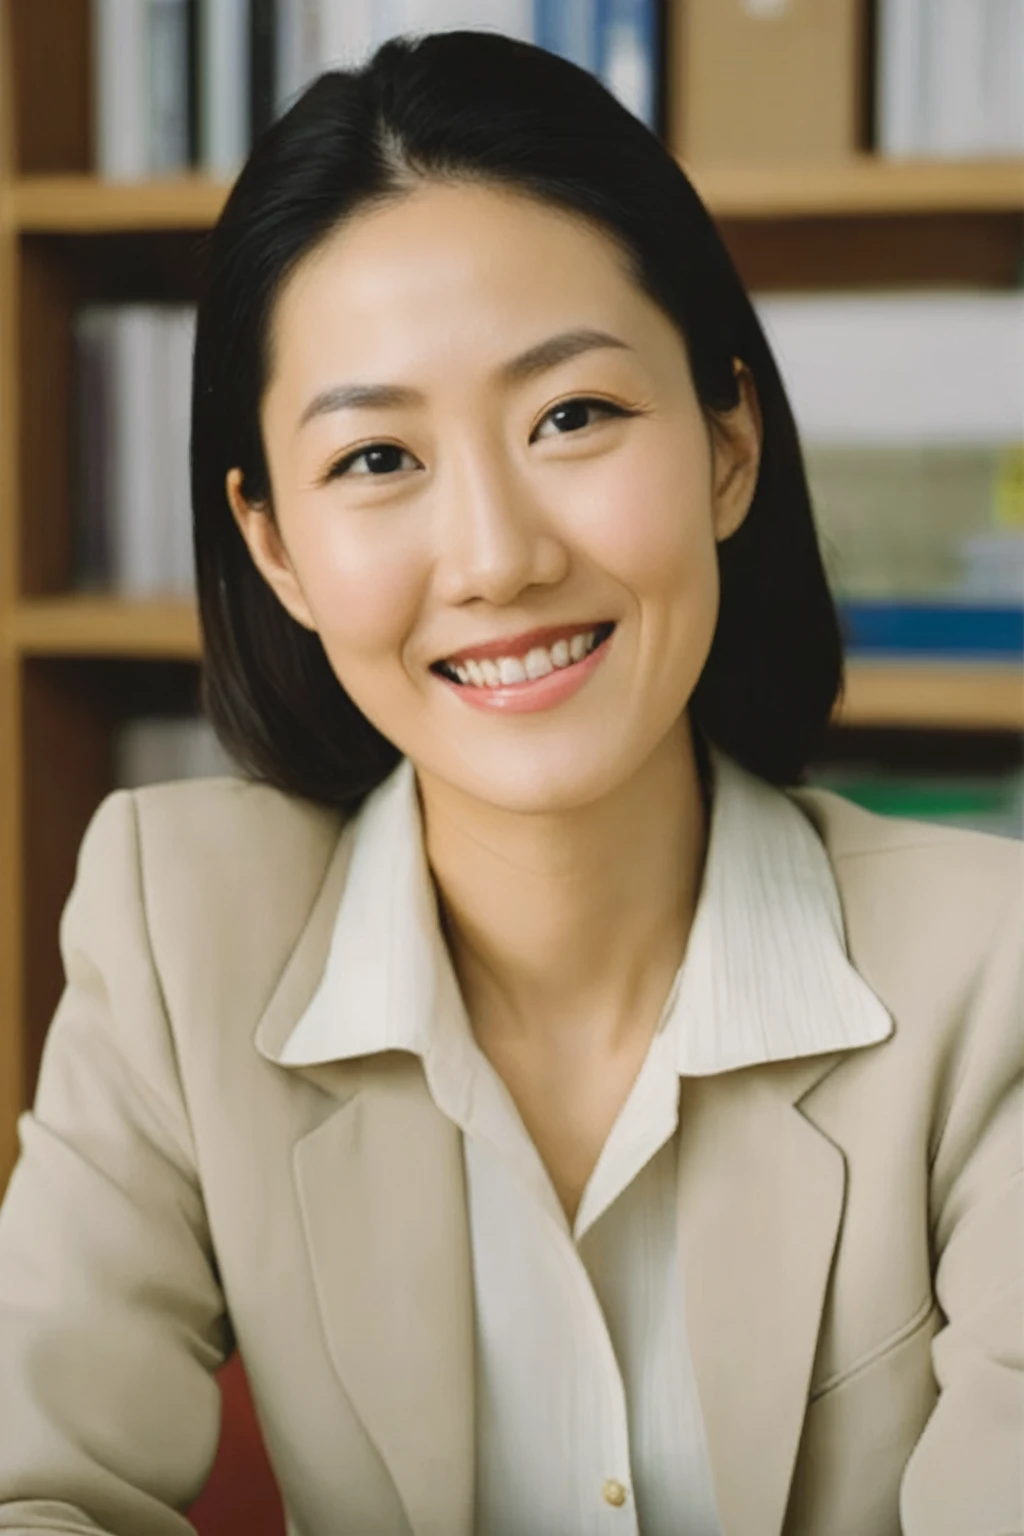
{"x":477,"y":105}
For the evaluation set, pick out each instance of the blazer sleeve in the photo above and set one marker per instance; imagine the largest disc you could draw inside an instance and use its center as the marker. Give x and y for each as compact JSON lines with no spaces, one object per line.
{"x":112,"y":1319}
{"x":965,"y":1476}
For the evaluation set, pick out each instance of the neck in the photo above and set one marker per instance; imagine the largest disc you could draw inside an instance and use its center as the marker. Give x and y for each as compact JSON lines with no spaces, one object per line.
{"x":567,"y":929}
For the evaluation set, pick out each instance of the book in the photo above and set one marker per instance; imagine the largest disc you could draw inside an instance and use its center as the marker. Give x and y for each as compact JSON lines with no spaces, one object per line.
{"x":133,"y":527}
{"x":224,"y":85}
{"x":571,"y":29}
{"x":899,"y":78}
{"x":627,"y":62}
{"x":765,"y":81}
{"x":174,"y":385}
{"x":143,"y":105}
{"x":923,"y":367}
{"x":910,"y":520}
{"x":92,"y":448}
{"x":120,"y":67}
{"x":949,"y":78}
{"x":168,"y":86}
{"x":136,"y":478}
{"x":950,"y":628}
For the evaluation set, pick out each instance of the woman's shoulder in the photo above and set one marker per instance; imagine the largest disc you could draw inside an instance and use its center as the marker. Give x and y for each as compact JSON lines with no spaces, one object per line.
{"x":888,"y":845}
{"x":208,"y":851}
{"x":919,"y":896}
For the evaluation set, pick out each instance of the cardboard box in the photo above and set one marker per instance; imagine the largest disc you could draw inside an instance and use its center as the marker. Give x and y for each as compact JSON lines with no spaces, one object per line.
{"x":765,"y":81}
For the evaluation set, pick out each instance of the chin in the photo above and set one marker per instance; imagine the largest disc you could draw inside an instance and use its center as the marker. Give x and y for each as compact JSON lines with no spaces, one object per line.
{"x":532,"y":782}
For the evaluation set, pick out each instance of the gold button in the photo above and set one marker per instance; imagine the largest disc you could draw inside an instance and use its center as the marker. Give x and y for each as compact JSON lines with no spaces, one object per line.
{"x":612,"y":1491}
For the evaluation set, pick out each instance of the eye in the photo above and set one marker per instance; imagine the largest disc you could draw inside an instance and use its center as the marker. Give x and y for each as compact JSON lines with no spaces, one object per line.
{"x":571,"y":414}
{"x":381,"y":460}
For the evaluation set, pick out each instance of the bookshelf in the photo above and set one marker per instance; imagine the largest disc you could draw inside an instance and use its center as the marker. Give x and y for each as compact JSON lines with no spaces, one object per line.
{"x":72,"y":666}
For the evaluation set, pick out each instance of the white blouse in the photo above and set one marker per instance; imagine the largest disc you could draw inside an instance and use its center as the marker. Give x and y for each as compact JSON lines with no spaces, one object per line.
{"x":587,"y":1415}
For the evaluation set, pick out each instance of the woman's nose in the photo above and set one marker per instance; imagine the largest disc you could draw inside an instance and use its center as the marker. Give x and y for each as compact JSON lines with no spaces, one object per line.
{"x":494,"y":536}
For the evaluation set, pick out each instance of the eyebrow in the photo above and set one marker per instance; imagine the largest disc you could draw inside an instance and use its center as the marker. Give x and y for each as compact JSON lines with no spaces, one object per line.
{"x":527,"y":365}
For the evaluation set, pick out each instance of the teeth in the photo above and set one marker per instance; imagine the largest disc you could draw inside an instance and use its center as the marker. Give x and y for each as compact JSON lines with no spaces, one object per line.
{"x":511,"y":670}
{"x":538,"y":662}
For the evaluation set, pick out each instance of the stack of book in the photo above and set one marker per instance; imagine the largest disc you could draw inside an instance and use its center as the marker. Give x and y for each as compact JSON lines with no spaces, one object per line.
{"x":133,"y":387}
{"x":950,"y":78}
{"x":183,"y":84}
{"x":911,"y":413}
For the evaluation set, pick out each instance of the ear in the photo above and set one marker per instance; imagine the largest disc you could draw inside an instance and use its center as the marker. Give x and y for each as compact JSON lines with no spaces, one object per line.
{"x":736,"y":438}
{"x":262,"y":536}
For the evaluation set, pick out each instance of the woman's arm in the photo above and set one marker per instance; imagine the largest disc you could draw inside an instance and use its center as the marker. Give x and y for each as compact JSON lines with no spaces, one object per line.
{"x":112,"y":1319}
{"x":966,"y":1474}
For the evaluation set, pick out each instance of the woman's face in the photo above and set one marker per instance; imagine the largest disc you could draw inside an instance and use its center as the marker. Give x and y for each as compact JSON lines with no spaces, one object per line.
{"x":477,"y":427}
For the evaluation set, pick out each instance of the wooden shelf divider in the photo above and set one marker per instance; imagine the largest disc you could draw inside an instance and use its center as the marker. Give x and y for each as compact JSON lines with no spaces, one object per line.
{"x":99,"y":626}
{"x":861,"y":186}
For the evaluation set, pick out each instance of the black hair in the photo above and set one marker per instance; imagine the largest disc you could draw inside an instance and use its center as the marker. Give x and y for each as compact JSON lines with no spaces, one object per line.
{"x":473,"y":105}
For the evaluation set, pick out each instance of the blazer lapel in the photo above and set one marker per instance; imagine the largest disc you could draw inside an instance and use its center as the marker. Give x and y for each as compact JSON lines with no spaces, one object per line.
{"x":380,"y":1184}
{"x":759,"y":1205}
{"x":381,"y":1190}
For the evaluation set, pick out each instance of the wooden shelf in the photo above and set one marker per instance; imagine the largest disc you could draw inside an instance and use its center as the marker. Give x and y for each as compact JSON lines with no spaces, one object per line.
{"x":87,"y":205}
{"x":98,"y":626}
{"x":859,"y":187}
{"x":945,"y":695}
{"x":951,"y":695}
{"x":862,"y":186}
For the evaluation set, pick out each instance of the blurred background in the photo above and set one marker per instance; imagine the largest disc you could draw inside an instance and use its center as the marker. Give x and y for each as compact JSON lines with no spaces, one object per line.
{"x":865,"y":162}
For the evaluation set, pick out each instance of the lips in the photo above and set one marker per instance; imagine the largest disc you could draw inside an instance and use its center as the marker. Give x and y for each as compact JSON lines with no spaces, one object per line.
{"x":518,"y":646}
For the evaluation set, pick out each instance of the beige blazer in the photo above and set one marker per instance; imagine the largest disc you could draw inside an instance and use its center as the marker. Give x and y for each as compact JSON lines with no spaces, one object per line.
{"x":851,"y":1224}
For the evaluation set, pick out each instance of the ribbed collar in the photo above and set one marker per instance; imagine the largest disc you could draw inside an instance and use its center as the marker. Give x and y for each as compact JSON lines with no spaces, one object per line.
{"x":765,"y":976}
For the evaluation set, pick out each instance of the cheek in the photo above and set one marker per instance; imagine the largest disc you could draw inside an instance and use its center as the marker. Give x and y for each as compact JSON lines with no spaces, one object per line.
{"x":365,"y":593}
{"x":649,"y":521}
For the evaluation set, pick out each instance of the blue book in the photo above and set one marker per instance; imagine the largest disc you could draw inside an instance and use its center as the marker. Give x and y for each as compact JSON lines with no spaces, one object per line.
{"x":627,"y":44}
{"x":933,"y":629}
{"x":613,"y":39}
{"x":570,"y":29}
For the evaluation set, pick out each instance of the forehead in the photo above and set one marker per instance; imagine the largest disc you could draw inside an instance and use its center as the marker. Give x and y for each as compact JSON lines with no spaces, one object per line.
{"x":455,"y":246}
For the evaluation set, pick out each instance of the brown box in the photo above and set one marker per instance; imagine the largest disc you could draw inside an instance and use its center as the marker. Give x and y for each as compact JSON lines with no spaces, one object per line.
{"x":765,"y":81}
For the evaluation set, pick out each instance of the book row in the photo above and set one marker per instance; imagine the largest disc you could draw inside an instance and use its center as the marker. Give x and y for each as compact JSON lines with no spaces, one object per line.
{"x":192,"y":83}
{"x":183,"y":84}
{"x":155,"y":749}
{"x":950,"y":78}
{"x":910,"y":414}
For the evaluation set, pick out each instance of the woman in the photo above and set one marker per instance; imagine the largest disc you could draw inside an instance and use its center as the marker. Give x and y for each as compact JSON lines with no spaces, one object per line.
{"x":577,"y":1126}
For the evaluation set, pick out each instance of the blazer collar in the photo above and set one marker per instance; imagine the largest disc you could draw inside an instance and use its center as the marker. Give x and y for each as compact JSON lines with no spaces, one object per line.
{"x":766,"y":975}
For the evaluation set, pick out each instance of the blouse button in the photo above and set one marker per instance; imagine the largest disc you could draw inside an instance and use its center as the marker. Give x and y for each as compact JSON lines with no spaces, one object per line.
{"x":612,"y":1491}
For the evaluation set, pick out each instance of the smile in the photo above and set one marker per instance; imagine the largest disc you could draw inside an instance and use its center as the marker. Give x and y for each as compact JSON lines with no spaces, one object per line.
{"x":540,"y":661}
{"x":543,"y":678}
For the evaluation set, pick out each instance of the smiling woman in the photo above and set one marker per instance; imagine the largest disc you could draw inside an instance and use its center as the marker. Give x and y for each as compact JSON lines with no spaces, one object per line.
{"x":577,"y":1125}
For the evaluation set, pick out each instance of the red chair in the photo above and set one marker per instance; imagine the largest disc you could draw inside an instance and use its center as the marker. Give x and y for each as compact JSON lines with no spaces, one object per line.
{"x":241,"y":1497}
